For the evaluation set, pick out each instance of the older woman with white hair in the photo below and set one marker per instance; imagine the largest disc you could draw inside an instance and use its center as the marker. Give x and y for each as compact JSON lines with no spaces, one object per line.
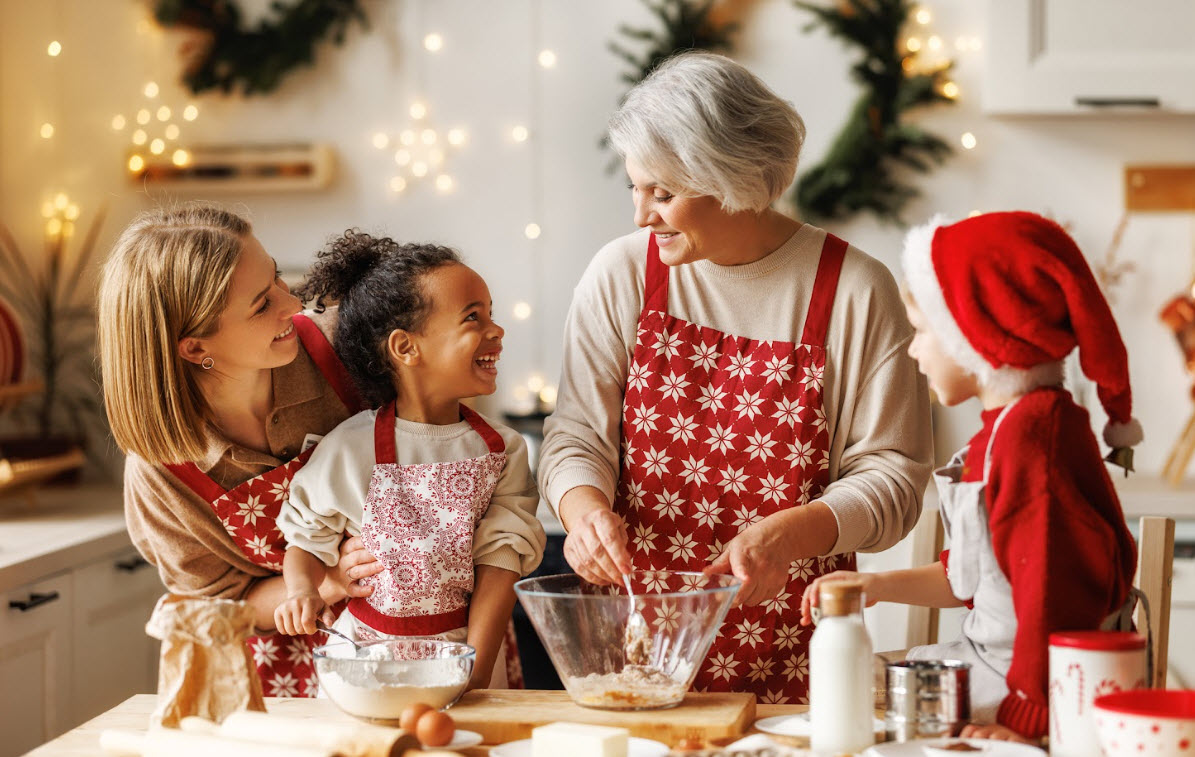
{"x":736,"y":394}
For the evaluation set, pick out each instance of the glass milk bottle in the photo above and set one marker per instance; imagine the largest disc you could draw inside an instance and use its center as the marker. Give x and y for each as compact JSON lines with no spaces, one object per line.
{"x":841,"y":703}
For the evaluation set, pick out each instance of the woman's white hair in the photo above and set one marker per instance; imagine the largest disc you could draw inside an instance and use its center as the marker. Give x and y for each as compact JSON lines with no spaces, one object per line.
{"x":702,"y":124}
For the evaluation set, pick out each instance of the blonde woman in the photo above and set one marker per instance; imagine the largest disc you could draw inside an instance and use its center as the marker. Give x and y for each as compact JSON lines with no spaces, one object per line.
{"x":216,"y":388}
{"x":736,"y":395}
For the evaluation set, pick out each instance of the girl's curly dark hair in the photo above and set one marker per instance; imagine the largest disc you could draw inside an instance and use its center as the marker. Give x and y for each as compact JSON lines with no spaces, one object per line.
{"x":378,"y":284}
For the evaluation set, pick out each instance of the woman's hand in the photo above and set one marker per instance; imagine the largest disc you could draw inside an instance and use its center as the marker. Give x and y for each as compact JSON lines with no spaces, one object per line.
{"x":355,"y":563}
{"x":296,"y":616}
{"x":996,"y":732}
{"x":759,"y":557}
{"x":809,"y":600}
{"x":596,"y":545}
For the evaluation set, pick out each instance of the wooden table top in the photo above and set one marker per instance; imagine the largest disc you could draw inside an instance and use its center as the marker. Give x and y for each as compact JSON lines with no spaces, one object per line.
{"x":133,"y":715}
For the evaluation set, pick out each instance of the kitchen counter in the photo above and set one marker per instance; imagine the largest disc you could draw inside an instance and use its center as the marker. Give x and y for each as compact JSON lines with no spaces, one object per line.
{"x":133,"y":714}
{"x":59,"y":528}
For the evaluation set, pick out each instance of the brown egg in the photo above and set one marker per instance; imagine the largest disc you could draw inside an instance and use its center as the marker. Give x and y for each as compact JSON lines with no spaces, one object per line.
{"x":435,"y":729}
{"x":690,"y":745}
{"x":410,"y":716}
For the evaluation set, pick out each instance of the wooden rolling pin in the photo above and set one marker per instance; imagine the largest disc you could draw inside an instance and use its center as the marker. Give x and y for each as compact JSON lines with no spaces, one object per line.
{"x":169,"y":742}
{"x":202,"y":738}
{"x":345,"y":739}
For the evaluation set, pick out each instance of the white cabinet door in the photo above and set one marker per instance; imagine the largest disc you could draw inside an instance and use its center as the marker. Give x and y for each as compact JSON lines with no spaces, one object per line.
{"x":1079,"y":56}
{"x":35,"y":660}
{"x":114,"y":658}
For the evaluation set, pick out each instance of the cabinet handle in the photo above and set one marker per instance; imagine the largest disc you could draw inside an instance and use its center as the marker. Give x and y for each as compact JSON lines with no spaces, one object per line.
{"x":1119,"y":102}
{"x":34,"y":600}
{"x":132,"y":565}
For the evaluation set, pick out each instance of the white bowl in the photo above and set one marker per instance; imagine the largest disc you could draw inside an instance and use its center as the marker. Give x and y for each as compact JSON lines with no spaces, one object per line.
{"x":1154,"y":722}
{"x":377,"y":680}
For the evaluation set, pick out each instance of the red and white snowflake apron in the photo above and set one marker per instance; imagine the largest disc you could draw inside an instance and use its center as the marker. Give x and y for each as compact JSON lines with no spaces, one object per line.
{"x":418,"y":521}
{"x":249,"y":512}
{"x":718,"y":432}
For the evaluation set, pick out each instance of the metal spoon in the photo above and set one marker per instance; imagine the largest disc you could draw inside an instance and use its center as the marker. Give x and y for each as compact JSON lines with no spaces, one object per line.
{"x":636,"y":639}
{"x":321,"y":625}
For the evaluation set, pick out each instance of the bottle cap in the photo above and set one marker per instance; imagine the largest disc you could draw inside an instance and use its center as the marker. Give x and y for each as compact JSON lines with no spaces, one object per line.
{"x":837,"y":598}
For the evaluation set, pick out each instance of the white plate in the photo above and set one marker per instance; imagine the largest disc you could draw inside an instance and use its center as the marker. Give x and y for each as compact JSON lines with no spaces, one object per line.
{"x":463,"y":739}
{"x":918,"y":749}
{"x":798,"y":725}
{"x":635,"y":748}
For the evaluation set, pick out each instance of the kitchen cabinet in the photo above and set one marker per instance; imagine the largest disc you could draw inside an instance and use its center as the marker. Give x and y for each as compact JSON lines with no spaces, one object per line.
{"x":113,"y":656}
{"x":74,"y":599}
{"x":1089,"y":56}
{"x":35,"y":651}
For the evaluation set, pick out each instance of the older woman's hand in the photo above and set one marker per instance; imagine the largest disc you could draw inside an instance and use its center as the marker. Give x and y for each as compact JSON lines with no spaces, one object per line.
{"x":355,"y":563}
{"x":762,"y":553}
{"x":759,"y":557}
{"x":596,"y":547}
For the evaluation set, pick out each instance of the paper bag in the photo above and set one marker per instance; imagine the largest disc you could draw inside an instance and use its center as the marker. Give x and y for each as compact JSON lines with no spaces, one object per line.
{"x":206,"y":668}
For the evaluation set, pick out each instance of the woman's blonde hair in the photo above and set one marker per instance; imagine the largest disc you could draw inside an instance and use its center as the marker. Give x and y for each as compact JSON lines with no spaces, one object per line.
{"x":705,"y":125}
{"x":166,"y":279}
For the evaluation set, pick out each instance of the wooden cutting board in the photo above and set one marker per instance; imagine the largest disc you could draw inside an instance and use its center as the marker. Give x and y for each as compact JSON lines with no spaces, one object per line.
{"x":509,"y":715}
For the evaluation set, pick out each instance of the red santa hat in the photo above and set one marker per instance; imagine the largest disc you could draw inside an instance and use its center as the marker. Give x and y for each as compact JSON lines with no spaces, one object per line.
{"x":1009,"y":295}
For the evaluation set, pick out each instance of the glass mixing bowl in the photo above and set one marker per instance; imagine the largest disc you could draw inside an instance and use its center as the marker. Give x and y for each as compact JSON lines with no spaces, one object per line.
{"x":377,"y":680}
{"x":583,"y":628}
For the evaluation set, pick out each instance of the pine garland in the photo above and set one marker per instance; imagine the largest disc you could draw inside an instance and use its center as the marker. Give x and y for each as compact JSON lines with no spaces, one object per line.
{"x":254,"y":60}
{"x":687,"y":25}
{"x":860,"y":173}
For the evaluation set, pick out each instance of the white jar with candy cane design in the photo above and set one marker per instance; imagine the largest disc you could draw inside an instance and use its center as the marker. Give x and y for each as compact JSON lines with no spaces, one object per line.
{"x":1083,"y":666}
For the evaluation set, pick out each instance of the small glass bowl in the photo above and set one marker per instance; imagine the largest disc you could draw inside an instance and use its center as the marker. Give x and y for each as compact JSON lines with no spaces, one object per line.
{"x":376,"y":680}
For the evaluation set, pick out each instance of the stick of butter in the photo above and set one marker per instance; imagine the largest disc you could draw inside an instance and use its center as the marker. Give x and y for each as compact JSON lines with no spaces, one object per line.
{"x":578,"y":740}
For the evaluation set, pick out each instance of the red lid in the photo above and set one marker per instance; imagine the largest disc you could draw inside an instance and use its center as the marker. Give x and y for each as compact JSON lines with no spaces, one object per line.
{"x":1102,"y":641}
{"x":1157,"y":703}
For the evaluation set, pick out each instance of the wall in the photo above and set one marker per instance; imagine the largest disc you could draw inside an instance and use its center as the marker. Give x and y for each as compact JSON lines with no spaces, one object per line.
{"x":485,"y":79}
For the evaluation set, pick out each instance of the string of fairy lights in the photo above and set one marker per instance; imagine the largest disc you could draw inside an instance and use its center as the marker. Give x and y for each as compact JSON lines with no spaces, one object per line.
{"x":422,"y":151}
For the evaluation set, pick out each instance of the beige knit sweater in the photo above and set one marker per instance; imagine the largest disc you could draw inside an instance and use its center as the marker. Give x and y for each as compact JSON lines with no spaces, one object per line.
{"x":877,"y":404}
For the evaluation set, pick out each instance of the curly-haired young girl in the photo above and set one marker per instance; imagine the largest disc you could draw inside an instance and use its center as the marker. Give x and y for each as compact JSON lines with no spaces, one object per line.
{"x":443,"y":497}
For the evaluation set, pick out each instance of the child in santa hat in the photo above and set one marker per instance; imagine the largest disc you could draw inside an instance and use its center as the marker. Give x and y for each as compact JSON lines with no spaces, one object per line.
{"x":1038,"y":538}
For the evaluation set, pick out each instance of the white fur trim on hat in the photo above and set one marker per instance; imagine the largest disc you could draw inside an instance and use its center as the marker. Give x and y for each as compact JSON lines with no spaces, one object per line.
{"x":918,"y":263}
{"x":917,"y":259}
{"x":1123,"y":434}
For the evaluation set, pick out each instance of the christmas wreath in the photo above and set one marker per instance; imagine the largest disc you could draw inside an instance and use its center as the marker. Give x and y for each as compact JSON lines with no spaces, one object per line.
{"x":227,"y":56}
{"x":860,"y":171}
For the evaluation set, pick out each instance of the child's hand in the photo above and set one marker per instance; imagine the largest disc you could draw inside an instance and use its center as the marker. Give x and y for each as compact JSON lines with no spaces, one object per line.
{"x":296,"y":616}
{"x":995,"y":732}
{"x":809,"y":599}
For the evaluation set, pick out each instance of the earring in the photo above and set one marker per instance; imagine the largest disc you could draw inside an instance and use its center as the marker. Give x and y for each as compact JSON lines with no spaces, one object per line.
{"x":207,"y":363}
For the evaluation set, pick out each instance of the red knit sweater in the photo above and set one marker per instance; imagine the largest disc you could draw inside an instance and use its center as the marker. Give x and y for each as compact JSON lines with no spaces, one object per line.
{"x":1058,"y":533}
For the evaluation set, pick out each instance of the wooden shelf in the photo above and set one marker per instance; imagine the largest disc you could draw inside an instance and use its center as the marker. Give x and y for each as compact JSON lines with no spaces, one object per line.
{"x":19,"y":474}
{"x":11,"y":393}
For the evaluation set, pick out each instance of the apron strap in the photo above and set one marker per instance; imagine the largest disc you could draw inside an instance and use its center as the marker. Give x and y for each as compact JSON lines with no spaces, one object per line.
{"x":384,"y":447}
{"x":492,"y":438}
{"x":825,"y":285}
{"x":325,"y":359}
{"x":987,"y":452}
{"x":197,"y":481}
{"x":655,"y":285}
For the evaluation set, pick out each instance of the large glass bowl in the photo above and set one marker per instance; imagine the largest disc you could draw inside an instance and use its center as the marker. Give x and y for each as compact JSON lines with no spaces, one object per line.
{"x":377,"y":680}
{"x":583,"y":628}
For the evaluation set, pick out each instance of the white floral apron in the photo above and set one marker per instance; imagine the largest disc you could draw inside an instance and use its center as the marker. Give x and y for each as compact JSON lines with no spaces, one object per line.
{"x":418,"y":521}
